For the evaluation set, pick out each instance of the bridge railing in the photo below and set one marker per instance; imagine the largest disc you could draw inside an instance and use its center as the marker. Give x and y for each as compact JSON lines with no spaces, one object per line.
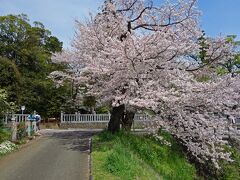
{"x":78,"y":118}
{"x":83,"y":118}
{"x":18,"y":118}
{"x":74,"y":118}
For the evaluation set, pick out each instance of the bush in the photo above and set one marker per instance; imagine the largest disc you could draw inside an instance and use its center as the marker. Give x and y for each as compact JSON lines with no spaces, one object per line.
{"x":102,"y":110}
{"x":21,"y":131}
{"x":4,"y":135}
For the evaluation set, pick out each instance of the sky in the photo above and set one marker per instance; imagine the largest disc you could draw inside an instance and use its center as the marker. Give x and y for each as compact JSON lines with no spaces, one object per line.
{"x":218,"y":16}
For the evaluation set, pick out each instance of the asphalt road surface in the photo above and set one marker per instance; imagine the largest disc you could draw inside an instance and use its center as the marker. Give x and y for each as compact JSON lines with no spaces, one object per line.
{"x":58,"y":155}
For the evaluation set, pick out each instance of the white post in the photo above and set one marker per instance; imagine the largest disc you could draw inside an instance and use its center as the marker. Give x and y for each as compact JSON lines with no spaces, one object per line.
{"x":14,"y":129}
{"x":76,"y":117}
{"x":94,"y":115}
{"x":34,"y":125}
{"x":61,"y":117}
{"x":29,"y":124}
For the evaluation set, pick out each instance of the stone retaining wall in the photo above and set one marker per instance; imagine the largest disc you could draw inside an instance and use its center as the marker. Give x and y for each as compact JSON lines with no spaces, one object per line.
{"x":99,"y":125}
{"x":92,"y":125}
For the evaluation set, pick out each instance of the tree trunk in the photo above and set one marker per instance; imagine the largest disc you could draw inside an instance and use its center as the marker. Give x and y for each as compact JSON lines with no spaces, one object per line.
{"x":117,"y":115}
{"x":127,"y":121}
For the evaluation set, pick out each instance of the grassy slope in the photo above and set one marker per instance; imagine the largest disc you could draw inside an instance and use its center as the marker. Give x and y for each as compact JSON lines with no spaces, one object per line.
{"x":231,"y":171}
{"x":126,"y":156}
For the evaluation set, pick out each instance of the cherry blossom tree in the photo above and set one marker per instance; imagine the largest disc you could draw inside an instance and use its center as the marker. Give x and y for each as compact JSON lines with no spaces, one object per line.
{"x":199,"y":114}
{"x":136,"y":55}
{"x":129,"y":39}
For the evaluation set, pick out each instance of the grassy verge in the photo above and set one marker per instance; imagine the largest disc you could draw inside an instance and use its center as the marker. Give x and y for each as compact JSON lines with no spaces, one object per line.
{"x":231,"y":170}
{"x":5,"y":134}
{"x":127,"y":156}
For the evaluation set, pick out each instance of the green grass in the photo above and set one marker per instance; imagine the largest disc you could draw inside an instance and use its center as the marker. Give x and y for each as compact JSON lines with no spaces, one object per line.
{"x":127,"y":156}
{"x":230,"y":171}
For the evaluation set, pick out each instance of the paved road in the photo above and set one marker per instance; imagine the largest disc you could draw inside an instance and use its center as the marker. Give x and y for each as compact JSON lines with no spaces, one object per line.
{"x":58,"y":155}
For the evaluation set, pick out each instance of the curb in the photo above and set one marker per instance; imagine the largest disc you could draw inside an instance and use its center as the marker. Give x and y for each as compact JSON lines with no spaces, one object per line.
{"x":90,"y":159}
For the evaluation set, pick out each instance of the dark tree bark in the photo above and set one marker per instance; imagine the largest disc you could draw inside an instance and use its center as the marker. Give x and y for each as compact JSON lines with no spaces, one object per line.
{"x":117,"y":115}
{"x":127,"y":121}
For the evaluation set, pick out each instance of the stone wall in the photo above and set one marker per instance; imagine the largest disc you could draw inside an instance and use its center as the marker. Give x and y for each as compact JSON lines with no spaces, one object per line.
{"x":92,"y":125}
{"x":98,"y":125}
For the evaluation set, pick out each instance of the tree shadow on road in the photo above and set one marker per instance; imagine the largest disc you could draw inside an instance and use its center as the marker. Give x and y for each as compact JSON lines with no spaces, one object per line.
{"x":75,"y":140}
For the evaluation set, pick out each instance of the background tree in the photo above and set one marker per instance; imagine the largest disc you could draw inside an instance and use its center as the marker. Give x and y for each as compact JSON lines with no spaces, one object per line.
{"x":5,"y":106}
{"x":27,"y":50}
{"x":232,"y":65}
{"x":10,"y":79}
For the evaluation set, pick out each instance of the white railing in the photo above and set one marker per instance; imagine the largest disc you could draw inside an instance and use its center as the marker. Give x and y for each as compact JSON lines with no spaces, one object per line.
{"x":141,"y":117}
{"x":79,"y":118}
{"x":18,"y":118}
{"x":75,"y":118}
{"x":88,"y":118}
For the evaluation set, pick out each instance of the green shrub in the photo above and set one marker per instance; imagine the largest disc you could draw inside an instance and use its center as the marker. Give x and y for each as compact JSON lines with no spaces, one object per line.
{"x":102,"y":110}
{"x":5,"y":134}
{"x":21,"y":131}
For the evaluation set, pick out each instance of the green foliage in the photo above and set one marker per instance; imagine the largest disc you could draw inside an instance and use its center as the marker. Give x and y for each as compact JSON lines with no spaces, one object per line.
{"x":5,"y":134}
{"x":232,"y":65}
{"x":26,"y":50}
{"x":124,"y":154}
{"x":232,"y":39}
{"x":103,"y":110}
{"x":203,"y":79}
{"x":44,"y":97}
{"x":10,"y":78}
{"x":4,"y":104}
{"x":89,"y":101}
{"x":203,"y":49}
{"x":221,"y":71}
{"x":28,"y":46}
{"x":231,"y":170}
{"x":21,"y":131}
